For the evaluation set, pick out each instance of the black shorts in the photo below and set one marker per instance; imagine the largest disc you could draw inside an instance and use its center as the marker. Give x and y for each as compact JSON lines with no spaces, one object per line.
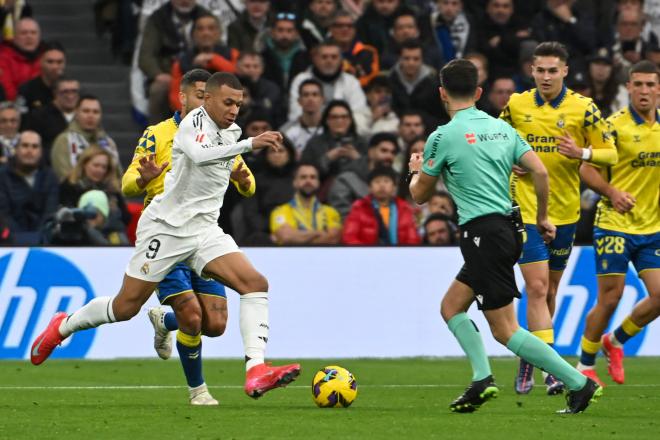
{"x":490,"y":246}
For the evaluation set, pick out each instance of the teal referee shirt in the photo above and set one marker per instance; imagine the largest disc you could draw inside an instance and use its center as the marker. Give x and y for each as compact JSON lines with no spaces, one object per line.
{"x":474,"y":153}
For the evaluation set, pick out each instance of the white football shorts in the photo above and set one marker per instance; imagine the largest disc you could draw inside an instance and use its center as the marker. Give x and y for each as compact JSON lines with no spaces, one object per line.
{"x":159,"y":247}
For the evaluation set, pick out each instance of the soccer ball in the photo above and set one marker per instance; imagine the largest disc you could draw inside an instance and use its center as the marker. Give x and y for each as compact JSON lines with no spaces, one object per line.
{"x":334,"y":387}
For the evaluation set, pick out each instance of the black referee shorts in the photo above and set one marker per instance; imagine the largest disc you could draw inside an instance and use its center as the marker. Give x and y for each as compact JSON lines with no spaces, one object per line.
{"x":491,"y":247}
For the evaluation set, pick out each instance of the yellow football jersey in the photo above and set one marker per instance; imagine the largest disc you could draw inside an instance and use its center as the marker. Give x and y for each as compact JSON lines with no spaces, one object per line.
{"x":319,"y":217}
{"x":157,"y":139}
{"x":637,"y":172}
{"x":540,"y":123}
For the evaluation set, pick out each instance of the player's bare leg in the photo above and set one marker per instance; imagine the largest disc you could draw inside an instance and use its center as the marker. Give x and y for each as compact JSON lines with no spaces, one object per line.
{"x":505,"y":329}
{"x":102,"y":310}
{"x":235,"y":270}
{"x":214,"y":315}
{"x":539,"y":319}
{"x":610,"y":289}
{"x":453,"y":309}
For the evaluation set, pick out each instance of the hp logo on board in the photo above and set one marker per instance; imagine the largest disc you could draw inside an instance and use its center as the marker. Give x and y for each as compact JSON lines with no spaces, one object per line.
{"x":36,"y":283}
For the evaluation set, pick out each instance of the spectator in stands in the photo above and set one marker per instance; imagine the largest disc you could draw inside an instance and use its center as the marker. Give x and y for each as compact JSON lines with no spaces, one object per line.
{"x":84,"y":131}
{"x":523,"y":77}
{"x":283,"y":52}
{"x":316,"y":22}
{"x":263,"y":92}
{"x":379,"y":116}
{"x":381,"y":217}
{"x":10,"y":121}
{"x":308,"y":124}
{"x":257,"y":122}
{"x":337,"y":84}
{"x":453,"y":29}
{"x":38,"y":92}
{"x":275,"y":179}
{"x":498,"y":95}
{"x":442,"y":203}
{"x":11,"y":11}
{"x":207,"y":53}
{"x":303,"y":219}
{"x":481,"y":63}
{"x":19,"y":59}
{"x":653,"y":55}
{"x":242,"y":33}
{"x":406,"y":27}
{"x":53,"y":118}
{"x":167,"y":34}
{"x":28,"y":191}
{"x":360,"y":60}
{"x":375,"y":24}
{"x":81,"y":226}
{"x":411,"y":128}
{"x":96,"y":168}
{"x":501,"y":33}
{"x":566,"y":22}
{"x":416,"y":145}
{"x":439,"y":231}
{"x":415,"y":85}
{"x":629,"y":43}
{"x":339,"y":145}
{"x":352,"y":184}
{"x":602,"y":83}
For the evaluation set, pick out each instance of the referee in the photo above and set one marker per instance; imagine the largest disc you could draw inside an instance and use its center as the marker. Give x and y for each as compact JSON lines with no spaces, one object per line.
{"x":474,"y":153}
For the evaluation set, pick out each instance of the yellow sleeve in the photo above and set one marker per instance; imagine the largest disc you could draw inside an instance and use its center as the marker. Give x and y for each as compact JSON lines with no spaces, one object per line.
{"x":334,"y":219}
{"x":598,"y":132}
{"x":253,"y":184}
{"x":129,"y":186}
{"x":281,"y":216}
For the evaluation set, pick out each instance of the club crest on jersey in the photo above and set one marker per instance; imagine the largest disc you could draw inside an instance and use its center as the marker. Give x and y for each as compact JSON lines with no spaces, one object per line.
{"x":145,"y":269}
{"x":637,"y":138}
{"x":560,"y":122}
{"x":470,"y":138}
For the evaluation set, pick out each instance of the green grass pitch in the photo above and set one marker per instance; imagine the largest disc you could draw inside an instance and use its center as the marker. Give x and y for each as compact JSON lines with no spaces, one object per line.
{"x":397,"y":399}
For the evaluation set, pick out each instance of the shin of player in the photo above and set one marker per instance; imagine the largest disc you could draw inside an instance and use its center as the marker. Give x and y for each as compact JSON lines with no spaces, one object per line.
{"x":627,"y":225}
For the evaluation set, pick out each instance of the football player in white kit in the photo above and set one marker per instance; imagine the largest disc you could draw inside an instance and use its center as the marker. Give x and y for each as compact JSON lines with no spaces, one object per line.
{"x":181,"y":224}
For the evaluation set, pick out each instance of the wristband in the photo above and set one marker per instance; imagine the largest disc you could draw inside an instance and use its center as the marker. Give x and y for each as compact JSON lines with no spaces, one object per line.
{"x":410,"y":176}
{"x":586,"y":153}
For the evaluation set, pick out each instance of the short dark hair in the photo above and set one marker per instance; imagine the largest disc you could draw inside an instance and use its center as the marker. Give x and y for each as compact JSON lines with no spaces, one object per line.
{"x":53,"y":45}
{"x":382,"y":171}
{"x":306,"y":164}
{"x":410,"y":44}
{"x":193,"y":76}
{"x":412,"y":112}
{"x":459,"y":78}
{"x":378,"y":81}
{"x":551,"y":49}
{"x":219,"y":79}
{"x":206,"y":15}
{"x":312,"y":81}
{"x":383,"y":137}
{"x":435,"y":217}
{"x":87,"y":97}
{"x":644,"y":66}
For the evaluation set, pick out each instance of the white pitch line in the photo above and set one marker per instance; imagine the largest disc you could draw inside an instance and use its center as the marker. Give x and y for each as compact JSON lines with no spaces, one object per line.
{"x":174,"y":387}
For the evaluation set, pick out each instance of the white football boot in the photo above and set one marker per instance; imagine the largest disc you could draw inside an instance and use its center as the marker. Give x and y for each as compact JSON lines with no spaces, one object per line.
{"x":162,"y":336}
{"x":200,"y":396}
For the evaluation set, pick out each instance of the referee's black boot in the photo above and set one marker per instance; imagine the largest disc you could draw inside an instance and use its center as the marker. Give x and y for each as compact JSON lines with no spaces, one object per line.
{"x":478,"y":393}
{"x":579,"y":400}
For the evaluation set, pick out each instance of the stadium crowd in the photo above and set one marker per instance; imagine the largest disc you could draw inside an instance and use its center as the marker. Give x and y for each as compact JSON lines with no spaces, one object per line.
{"x":351,"y":84}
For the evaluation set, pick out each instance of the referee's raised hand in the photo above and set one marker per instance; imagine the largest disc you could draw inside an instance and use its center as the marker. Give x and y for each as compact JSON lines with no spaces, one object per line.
{"x":272,"y":139}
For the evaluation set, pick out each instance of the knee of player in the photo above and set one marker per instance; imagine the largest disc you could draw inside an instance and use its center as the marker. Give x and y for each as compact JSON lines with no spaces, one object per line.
{"x":537,"y":288}
{"x":189,"y":319}
{"x":215,"y":328}
{"x":610,"y":300}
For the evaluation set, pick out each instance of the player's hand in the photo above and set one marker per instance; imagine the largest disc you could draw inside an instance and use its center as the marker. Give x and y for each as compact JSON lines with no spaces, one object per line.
{"x":241,"y":175}
{"x":415,"y":162}
{"x":149,"y":169}
{"x":622,"y":201}
{"x":547,"y":230}
{"x":568,"y":147}
{"x":519,"y":171}
{"x":272,"y":139}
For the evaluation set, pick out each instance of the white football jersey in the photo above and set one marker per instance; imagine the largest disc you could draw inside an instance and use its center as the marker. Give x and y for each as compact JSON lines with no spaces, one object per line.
{"x":202,"y":159}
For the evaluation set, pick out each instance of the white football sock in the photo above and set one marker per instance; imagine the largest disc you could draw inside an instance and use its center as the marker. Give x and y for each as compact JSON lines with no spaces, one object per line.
{"x":96,"y":312}
{"x":253,"y":322}
{"x":615,"y":342}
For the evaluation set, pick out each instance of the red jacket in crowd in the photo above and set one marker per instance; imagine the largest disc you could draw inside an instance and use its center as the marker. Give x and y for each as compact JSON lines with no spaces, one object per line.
{"x":16,"y":68}
{"x":361,"y":225}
